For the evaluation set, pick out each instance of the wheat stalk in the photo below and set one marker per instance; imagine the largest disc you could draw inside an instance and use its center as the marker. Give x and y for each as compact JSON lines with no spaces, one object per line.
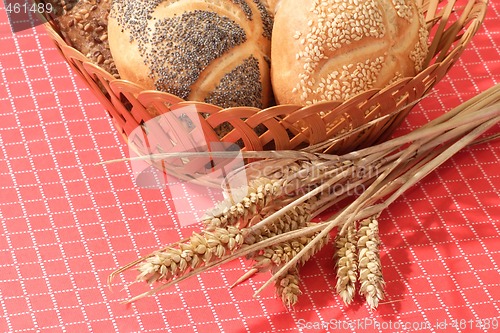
{"x":362,"y":208}
{"x":398,"y":163}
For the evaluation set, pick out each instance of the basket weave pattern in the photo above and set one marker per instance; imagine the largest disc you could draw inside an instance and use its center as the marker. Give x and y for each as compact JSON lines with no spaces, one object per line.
{"x":451,"y":25}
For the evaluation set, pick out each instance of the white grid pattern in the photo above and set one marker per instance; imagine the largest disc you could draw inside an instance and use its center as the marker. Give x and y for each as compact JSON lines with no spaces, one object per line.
{"x":67,"y":223}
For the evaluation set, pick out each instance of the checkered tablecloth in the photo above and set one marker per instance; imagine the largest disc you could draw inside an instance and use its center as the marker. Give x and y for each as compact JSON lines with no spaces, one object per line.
{"x":67,"y":222}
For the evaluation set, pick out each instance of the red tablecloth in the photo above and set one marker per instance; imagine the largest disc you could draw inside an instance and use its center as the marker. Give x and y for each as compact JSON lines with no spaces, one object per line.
{"x":66,"y":222}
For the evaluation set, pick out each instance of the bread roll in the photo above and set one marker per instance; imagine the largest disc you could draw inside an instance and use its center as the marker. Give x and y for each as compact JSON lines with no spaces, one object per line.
{"x":84,"y":25}
{"x":324,"y":50}
{"x":215,"y":51}
{"x":273,"y":5}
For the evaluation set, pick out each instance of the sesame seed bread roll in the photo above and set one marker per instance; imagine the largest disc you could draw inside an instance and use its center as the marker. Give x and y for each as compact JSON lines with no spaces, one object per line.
{"x":330,"y":50}
{"x":214,"y":51}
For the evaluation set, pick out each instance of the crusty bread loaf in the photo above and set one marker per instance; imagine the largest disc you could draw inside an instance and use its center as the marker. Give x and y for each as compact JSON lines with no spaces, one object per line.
{"x":325,"y":50}
{"x":84,"y":25}
{"x":215,"y":51}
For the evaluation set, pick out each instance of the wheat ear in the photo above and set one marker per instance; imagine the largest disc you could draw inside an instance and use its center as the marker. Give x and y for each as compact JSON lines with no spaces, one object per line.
{"x":260,"y":194}
{"x":370,"y":269}
{"x":288,"y":288}
{"x":402,"y":165}
{"x":346,"y":262}
{"x":199,"y":249}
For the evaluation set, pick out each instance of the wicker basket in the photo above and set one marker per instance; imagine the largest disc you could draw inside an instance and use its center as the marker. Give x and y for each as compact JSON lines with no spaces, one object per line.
{"x":451,"y":24}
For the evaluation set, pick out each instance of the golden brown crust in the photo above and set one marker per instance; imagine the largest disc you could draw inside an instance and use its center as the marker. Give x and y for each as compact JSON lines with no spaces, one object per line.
{"x":332,"y":50}
{"x":201,"y":50}
{"x":84,"y":25}
{"x":273,"y":5}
